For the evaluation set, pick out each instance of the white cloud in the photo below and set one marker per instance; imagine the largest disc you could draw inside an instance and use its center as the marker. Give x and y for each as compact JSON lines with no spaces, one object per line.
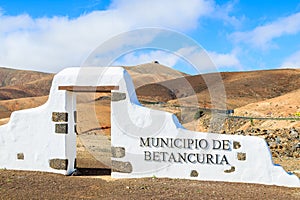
{"x":135,"y":58}
{"x":223,"y":12}
{"x":292,"y":61}
{"x":262,"y":36}
{"x":168,"y":13}
{"x":211,"y":61}
{"x":49,"y":44}
{"x":202,"y":60}
{"x":195,"y":56}
{"x":225,"y":60}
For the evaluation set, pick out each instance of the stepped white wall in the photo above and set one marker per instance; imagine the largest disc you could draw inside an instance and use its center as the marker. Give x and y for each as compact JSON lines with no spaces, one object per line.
{"x":34,"y":140}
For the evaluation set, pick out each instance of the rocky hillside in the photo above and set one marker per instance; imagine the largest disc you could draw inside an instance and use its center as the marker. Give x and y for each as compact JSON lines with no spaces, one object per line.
{"x":20,"y":83}
{"x":241,"y":88}
{"x":8,"y":106}
{"x":20,"y":89}
{"x":157,"y":83}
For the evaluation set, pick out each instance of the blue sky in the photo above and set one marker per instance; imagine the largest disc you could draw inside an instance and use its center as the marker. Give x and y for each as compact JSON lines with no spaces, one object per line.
{"x":237,"y":35}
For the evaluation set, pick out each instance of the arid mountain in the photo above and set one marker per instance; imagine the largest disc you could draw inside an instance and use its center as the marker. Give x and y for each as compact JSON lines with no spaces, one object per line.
{"x":176,"y":89}
{"x":20,"y":89}
{"x":241,"y":88}
{"x":284,"y":106}
{"x":8,"y":106}
{"x":12,"y":77}
{"x":20,"y":83}
{"x":152,"y":73}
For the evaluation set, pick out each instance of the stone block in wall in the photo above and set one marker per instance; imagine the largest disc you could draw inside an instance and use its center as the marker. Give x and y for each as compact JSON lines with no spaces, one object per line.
{"x":117,"y":152}
{"x":61,"y":128}
{"x":232,"y":169}
{"x":60,"y":117}
{"x":236,"y":145}
{"x":20,"y":156}
{"x":118,"y":96}
{"x":194,"y":173}
{"x":119,"y":166}
{"x":241,"y":156}
{"x":60,"y":164}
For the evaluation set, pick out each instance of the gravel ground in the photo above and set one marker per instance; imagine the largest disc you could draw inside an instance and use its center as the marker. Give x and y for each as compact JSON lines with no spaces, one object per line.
{"x":38,"y":185}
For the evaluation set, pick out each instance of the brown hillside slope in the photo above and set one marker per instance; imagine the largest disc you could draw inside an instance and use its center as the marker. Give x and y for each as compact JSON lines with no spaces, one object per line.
{"x":21,"y":83}
{"x":283,"y":106}
{"x":249,"y":87}
{"x":8,"y":106}
{"x":241,"y":88}
{"x":11,"y":77}
{"x":26,"y":89}
{"x":152,"y":73}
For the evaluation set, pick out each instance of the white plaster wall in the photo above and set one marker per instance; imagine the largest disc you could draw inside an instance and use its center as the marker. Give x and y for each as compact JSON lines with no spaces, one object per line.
{"x":131,"y":121}
{"x":32,"y":131}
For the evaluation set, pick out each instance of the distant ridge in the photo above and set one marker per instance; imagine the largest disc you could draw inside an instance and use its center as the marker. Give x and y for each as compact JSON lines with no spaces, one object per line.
{"x":22,"y":83}
{"x":157,"y":83}
{"x":241,"y":88}
{"x":11,"y":77}
{"x":151,"y":73}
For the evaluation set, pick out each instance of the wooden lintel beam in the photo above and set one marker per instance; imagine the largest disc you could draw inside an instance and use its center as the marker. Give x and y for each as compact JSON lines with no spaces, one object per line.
{"x":88,"y":88}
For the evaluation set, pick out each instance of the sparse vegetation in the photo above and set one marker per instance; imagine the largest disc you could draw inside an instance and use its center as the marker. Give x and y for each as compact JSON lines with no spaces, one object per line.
{"x":252,"y":122}
{"x":198,"y":114}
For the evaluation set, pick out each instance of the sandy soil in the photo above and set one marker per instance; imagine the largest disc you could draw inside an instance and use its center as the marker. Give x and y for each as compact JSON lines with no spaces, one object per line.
{"x":37,"y":185}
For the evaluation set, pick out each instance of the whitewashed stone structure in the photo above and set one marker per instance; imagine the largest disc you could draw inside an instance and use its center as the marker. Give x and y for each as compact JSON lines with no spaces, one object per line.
{"x":145,"y":142}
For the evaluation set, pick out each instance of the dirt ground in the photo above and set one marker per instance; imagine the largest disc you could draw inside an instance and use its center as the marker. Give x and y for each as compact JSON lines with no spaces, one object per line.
{"x":38,"y":185}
